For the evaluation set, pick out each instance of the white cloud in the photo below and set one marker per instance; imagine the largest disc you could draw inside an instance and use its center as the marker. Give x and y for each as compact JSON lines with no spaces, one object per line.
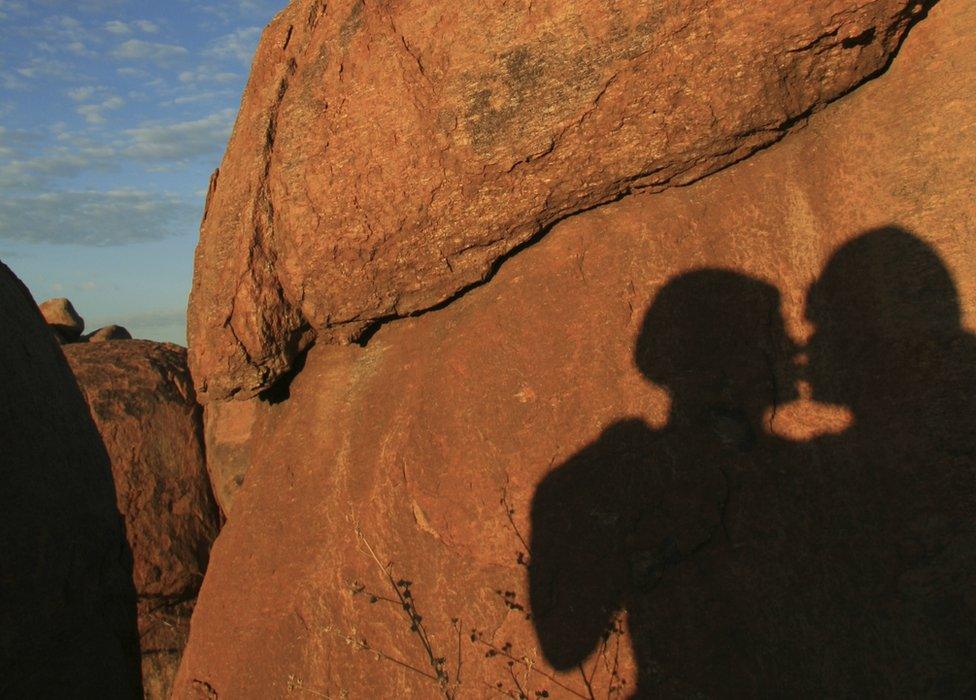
{"x":14,"y":142}
{"x":45,"y":67}
{"x":94,"y":218}
{"x":27,"y":165}
{"x":132,"y":72}
{"x":237,"y":46}
{"x":31,"y":172}
{"x":207,"y":74}
{"x":232,"y":10}
{"x":118,"y":28}
{"x":95,"y":113}
{"x":139,"y":50}
{"x":10,"y":7}
{"x":81,"y":94}
{"x":195,"y":98}
{"x":180,"y":140}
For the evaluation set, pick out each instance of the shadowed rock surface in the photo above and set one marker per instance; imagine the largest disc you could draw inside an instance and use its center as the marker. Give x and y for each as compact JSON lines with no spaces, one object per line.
{"x":141,"y":399}
{"x":67,"y":604}
{"x":803,"y":560}
{"x":387,"y":156}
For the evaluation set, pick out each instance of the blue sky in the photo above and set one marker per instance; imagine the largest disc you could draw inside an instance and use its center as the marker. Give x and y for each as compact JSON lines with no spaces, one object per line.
{"x":113,"y":114}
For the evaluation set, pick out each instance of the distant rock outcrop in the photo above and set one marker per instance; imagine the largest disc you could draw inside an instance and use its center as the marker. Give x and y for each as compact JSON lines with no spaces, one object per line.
{"x":142,"y":402}
{"x":60,"y":314}
{"x":105,"y":333}
{"x":67,"y":603}
{"x":591,"y":477}
{"x":386,"y":157}
{"x":68,"y":325}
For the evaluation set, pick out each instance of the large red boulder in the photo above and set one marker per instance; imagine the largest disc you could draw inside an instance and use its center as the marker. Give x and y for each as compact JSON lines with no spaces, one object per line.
{"x":387,"y":156}
{"x":593,"y":474}
{"x":142,"y":402}
{"x":67,"y":603}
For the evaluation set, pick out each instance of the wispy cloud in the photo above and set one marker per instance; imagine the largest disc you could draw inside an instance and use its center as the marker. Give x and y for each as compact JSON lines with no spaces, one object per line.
{"x":238,"y":46}
{"x":94,"y":218}
{"x":208,"y":74}
{"x":25,"y":171}
{"x":120,"y":28}
{"x":234,"y":10}
{"x":180,"y":140}
{"x":82,"y":94}
{"x":140,"y":50}
{"x":45,"y":67}
{"x":24,"y":165}
{"x":117,"y":27}
{"x":95,"y":113}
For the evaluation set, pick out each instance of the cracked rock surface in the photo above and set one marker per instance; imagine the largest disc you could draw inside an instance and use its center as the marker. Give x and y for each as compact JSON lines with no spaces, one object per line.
{"x":387,"y":156}
{"x":803,"y":554}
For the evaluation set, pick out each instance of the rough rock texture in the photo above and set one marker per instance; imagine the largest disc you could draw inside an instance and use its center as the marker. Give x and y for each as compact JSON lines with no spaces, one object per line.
{"x":386,"y":156}
{"x":227,"y":430}
{"x":61,"y":315}
{"x":142,"y":401}
{"x":493,"y":459}
{"x":112,"y":332}
{"x":67,"y":604}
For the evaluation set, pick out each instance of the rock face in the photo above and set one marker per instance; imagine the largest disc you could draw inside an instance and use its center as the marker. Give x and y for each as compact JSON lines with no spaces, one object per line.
{"x":142,"y":401}
{"x":67,"y":604}
{"x":60,"y":314}
{"x":387,"y":157}
{"x":592,"y":476}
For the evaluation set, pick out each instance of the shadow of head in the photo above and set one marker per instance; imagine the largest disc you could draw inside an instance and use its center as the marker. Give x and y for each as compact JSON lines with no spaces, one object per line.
{"x":885,"y":313}
{"x":715,"y":339}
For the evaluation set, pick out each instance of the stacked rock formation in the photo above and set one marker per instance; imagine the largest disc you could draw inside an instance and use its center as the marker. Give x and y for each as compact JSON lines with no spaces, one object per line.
{"x":69,"y":326}
{"x":592,"y":476}
{"x":143,"y":405}
{"x":67,"y":604}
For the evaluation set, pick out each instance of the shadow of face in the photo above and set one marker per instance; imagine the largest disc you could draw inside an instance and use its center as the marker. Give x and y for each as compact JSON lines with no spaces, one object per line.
{"x":716,"y":338}
{"x":880,"y":298}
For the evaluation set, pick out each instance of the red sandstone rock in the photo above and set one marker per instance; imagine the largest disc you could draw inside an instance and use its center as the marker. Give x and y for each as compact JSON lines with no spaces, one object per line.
{"x":387,"y":156}
{"x":67,"y":604}
{"x":142,"y":401}
{"x":773,"y":567}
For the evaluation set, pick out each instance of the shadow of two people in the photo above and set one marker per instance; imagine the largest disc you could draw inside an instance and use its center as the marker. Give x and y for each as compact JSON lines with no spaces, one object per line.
{"x":751,"y":564}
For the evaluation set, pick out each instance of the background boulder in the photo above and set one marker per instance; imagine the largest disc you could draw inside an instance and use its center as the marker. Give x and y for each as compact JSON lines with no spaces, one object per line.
{"x":112,"y":332}
{"x":60,"y":314}
{"x":142,"y":402}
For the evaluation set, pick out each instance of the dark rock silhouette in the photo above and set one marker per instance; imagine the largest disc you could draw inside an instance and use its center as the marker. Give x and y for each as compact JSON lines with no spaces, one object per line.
{"x":67,"y":603}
